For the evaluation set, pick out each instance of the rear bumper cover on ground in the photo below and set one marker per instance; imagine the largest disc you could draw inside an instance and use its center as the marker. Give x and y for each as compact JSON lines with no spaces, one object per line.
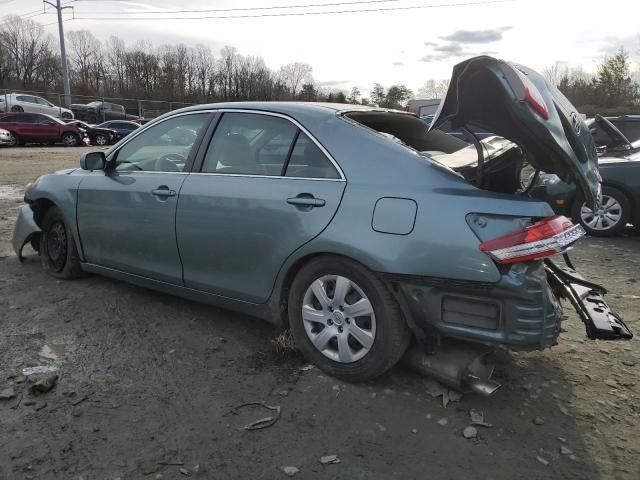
{"x":25,"y":229}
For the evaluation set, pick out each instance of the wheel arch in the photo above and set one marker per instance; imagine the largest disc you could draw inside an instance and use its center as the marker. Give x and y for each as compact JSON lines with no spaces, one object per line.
{"x":627,"y":193}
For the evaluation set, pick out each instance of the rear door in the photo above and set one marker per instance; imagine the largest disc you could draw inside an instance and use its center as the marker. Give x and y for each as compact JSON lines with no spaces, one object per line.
{"x":126,"y":218}
{"x":264,"y":188}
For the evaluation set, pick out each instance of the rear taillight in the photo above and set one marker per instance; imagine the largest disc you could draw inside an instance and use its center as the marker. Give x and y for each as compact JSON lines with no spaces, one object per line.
{"x":533,"y":97}
{"x":546,"y":238}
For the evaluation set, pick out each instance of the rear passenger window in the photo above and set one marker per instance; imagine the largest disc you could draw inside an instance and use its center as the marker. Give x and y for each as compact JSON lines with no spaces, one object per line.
{"x":308,"y":161}
{"x":249,"y":144}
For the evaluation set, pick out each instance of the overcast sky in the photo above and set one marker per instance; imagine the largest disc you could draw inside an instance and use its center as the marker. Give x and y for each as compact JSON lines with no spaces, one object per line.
{"x":404,"y":46}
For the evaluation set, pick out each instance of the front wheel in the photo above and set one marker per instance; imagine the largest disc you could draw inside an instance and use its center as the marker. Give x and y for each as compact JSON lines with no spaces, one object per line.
{"x":609,"y":219}
{"x":13,"y":140}
{"x":58,"y":252}
{"x":70,"y":140}
{"x":66,"y":115}
{"x":345,"y":320}
{"x":101,"y":139}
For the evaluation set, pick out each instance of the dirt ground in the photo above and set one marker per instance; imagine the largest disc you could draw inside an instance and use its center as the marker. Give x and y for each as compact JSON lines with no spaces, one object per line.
{"x":147,"y":385}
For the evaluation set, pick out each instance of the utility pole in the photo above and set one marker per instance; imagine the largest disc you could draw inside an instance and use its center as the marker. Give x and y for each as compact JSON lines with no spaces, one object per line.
{"x":63,"y":53}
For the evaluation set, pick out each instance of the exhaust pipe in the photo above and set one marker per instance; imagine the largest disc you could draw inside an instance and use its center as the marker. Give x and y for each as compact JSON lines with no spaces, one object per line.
{"x":462,"y":366}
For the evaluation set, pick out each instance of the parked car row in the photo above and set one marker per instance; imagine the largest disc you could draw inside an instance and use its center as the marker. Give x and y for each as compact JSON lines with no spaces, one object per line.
{"x":101,"y":111}
{"x":18,"y":103}
{"x":24,"y":128}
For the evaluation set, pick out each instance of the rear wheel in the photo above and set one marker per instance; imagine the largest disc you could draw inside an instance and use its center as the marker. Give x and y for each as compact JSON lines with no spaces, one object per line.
{"x":70,"y":140}
{"x":609,"y":219}
{"x":101,"y":139}
{"x":345,"y":320}
{"x":17,"y":108}
{"x":58,"y":251}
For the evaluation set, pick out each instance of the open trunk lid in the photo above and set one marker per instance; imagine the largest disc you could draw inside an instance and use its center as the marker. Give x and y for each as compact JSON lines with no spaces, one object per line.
{"x":518,"y":104}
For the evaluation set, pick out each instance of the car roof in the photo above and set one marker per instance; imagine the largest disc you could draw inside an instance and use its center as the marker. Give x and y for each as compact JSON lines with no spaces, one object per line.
{"x":290,"y":108}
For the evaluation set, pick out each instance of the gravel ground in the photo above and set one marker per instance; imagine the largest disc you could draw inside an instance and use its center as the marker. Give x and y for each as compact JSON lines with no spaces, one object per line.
{"x":148,"y":384}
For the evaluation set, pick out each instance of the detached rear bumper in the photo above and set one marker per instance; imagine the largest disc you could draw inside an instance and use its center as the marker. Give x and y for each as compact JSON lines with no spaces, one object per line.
{"x":521,"y":311}
{"x":25,"y":229}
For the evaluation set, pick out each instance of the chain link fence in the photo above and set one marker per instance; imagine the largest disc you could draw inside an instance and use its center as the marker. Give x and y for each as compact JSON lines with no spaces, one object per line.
{"x":91,"y":109}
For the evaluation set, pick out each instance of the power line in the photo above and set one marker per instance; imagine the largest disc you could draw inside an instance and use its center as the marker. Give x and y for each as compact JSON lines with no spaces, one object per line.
{"x":299,"y":14}
{"x":235,"y":9}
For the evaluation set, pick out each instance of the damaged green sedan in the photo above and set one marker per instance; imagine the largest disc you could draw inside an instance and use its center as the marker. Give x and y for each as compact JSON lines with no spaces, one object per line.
{"x":344,"y":223}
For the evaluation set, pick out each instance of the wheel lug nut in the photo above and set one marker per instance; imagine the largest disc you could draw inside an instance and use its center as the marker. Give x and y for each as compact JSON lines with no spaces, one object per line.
{"x":341,"y":308}
{"x":340,"y":329}
{"x":329,"y":322}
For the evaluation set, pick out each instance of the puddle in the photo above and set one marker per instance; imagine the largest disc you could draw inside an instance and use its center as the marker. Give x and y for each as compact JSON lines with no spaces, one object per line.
{"x":11,"y":192}
{"x":53,"y":351}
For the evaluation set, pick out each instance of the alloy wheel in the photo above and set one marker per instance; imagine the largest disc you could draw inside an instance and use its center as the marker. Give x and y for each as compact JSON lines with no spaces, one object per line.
{"x":69,"y":140}
{"x":13,"y":140}
{"x":606,"y":217}
{"x":101,"y":140}
{"x":338,"y":318}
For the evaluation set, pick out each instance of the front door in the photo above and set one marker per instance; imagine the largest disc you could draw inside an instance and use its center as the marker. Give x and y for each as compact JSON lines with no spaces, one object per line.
{"x":126,"y":218}
{"x":265,"y":189}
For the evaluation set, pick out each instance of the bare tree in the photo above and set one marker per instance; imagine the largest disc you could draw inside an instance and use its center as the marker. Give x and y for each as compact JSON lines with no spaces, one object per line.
{"x":293,"y":75}
{"x":556,"y":72}
{"x":434,"y":89}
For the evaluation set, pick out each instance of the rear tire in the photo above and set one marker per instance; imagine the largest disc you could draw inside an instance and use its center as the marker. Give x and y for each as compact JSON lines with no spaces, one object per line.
{"x":611,"y":219}
{"x":17,"y":108}
{"x":58,"y":252}
{"x":363,"y":341}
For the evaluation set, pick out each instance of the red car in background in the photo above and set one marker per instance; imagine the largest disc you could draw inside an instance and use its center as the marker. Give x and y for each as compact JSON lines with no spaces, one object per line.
{"x":39,"y":128}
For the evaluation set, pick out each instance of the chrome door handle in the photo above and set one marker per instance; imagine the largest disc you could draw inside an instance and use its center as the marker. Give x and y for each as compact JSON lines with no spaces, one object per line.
{"x":163,"y":192}
{"x":300,"y":201}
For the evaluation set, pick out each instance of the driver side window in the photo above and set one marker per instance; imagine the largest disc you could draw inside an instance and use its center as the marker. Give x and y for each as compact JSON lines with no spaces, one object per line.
{"x":164,"y":147}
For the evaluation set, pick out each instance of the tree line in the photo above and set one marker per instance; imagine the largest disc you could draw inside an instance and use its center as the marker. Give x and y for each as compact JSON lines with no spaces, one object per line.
{"x":29,"y":60}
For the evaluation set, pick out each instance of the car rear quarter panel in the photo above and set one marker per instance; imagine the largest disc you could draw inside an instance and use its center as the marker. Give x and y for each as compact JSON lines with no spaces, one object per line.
{"x":441,"y":243}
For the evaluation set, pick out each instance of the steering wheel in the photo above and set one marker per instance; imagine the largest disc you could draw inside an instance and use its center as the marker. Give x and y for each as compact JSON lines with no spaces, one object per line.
{"x":167,"y":163}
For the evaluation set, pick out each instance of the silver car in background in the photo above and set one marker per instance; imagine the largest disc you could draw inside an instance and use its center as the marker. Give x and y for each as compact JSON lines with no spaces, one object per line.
{"x":18,"y":102}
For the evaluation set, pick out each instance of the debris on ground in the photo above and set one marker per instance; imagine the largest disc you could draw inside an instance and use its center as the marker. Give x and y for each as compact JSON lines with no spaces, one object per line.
{"x":443,"y":421}
{"x":185,"y":472}
{"x":39,"y":370}
{"x":564,"y":450}
{"x":289,"y":471}
{"x":470,"y":432}
{"x":538,"y":421}
{"x":328,"y":459}
{"x":477,"y":418}
{"x":263,"y":422}
{"x":542,"y":460}
{"x":45,"y":383}
{"x":82,"y":399}
{"x":7,"y":393}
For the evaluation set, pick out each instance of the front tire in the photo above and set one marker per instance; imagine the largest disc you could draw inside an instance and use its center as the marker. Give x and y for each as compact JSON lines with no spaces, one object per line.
{"x":13,"y":140}
{"x":58,"y":252}
{"x":345,"y":320}
{"x":101,"y":140}
{"x":66,"y":115}
{"x":70,"y":140}
{"x":610,"y":219}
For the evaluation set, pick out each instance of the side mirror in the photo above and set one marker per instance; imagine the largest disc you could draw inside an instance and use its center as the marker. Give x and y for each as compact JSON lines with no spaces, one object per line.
{"x":93,"y":161}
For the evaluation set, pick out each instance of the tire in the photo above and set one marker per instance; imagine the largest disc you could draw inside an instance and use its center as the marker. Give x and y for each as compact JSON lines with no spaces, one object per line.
{"x":384,"y":331}
{"x":14,"y":141}
{"x":58,"y":252}
{"x":66,"y":115}
{"x":101,"y":140}
{"x":615,"y":214}
{"x":17,"y":108}
{"x":70,"y":140}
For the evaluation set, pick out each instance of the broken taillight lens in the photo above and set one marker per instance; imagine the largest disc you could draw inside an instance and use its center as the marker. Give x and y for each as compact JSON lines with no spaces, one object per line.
{"x":543,"y":239}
